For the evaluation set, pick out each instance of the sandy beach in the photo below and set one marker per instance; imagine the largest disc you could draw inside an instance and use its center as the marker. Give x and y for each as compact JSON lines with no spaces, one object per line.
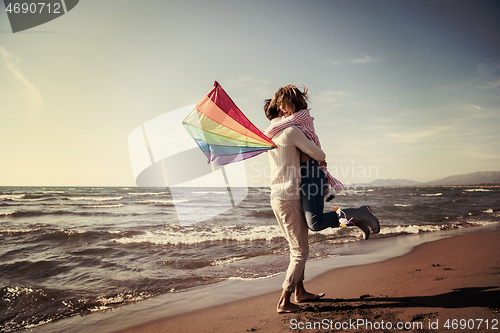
{"x":445,"y":285}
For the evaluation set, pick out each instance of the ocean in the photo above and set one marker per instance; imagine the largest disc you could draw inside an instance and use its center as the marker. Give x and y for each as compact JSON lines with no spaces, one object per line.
{"x":69,"y":251}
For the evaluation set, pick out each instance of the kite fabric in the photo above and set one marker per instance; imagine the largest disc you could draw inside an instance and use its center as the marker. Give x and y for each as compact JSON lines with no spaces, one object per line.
{"x":223,"y":133}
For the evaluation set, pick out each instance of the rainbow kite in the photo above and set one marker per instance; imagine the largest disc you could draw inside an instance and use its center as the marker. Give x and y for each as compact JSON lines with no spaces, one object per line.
{"x":222,"y":131}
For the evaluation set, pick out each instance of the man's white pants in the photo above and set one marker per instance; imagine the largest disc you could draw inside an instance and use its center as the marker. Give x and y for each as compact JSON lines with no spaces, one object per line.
{"x":294,"y":227}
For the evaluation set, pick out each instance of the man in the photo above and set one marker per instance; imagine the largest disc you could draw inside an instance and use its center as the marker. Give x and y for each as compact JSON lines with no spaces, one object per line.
{"x":286,"y":205}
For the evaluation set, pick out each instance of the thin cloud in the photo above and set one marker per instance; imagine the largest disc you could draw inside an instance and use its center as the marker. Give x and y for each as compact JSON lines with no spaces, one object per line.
{"x":492,"y":84}
{"x":473,"y":111}
{"x":12,"y":65}
{"x":476,"y":153}
{"x":489,"y":72}
{"x":488,"y":69}
{"x":358,"y":61}
{"x":242,"y":81}
{"x":473,"y":107}
{"x":409,"y":136}
{"x":251,"y":84}
{"x":332,"y":97}
{"x":338,"y":98}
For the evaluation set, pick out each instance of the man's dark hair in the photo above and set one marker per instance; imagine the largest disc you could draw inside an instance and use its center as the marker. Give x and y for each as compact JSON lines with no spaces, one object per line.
{"x":270,"y":109}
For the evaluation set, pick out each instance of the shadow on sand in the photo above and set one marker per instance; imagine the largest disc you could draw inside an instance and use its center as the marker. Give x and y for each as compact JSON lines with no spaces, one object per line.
{"x":458,"y":298}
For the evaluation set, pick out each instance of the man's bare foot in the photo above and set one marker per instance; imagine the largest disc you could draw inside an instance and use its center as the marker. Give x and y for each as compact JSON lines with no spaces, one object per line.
{"x":308,"y":297}
{"x":284,"y":304}
{"x":288,"y":308}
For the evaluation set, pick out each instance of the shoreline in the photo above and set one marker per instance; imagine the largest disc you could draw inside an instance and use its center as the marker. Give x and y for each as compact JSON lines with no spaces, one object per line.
{"x":455,"y":278}
{"x":194,"y":305}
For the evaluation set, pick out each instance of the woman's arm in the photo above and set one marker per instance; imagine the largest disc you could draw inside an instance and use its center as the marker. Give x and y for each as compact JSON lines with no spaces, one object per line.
{"x":298,"y":118}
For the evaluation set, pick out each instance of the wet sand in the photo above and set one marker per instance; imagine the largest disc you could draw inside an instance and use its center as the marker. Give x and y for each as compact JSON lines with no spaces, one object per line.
{"x":444,"y":285}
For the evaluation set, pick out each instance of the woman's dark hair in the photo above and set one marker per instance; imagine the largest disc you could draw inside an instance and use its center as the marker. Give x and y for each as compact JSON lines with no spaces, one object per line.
{"x":291,"y":97}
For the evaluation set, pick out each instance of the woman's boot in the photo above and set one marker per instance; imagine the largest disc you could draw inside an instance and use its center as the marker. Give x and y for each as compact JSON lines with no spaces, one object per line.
{"x":363,"y":218}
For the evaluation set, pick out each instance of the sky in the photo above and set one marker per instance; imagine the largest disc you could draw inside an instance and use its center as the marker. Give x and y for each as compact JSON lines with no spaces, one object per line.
{"x":398,"y":89}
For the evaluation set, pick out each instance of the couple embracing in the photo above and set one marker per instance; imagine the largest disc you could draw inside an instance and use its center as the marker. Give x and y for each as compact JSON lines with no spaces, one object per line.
{"x":299,"y":183}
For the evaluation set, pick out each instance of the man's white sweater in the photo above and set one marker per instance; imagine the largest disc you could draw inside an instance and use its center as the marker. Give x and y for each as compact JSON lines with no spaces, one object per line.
{"x":285,"y":162}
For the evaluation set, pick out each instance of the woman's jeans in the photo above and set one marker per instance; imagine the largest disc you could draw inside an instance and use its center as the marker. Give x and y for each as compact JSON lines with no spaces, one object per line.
{"x":312,"y":190}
